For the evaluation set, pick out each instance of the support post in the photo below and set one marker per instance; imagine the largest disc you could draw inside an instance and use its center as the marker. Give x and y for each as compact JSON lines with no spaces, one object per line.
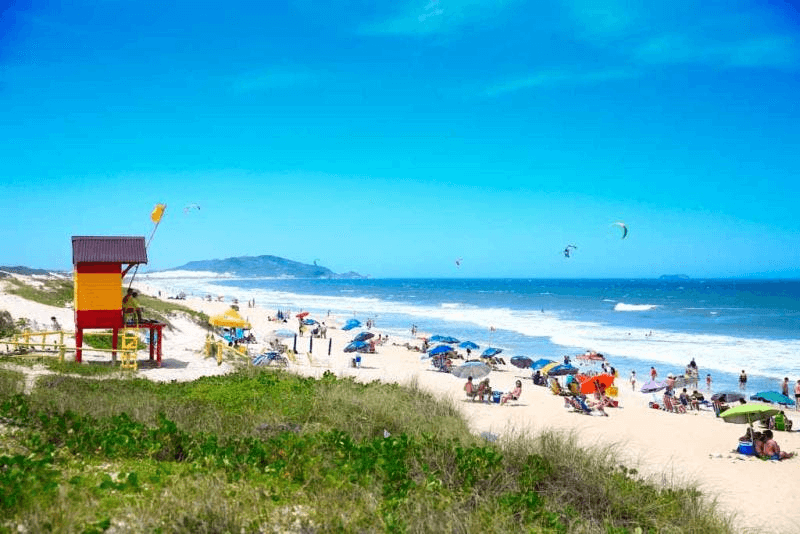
{"x":311,"y":344}
{"x":78,"y":344}
{"x":330,"y":344}
{"x":158,"y":345}
{"x":114,"y":345}
{"x":152,"y":341}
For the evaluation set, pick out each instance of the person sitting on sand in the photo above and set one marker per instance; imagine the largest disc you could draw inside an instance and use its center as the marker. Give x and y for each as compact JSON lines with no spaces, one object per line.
{"x":484,"y":389}
{"x":771,"y":449}
{"x":469,"y":387}
{"x":512,"y":395}
{"x":684,"y":398}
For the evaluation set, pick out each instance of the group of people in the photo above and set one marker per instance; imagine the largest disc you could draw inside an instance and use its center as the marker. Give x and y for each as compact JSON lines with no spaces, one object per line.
{"x":484,"y":390}
{"x":764,"y":445}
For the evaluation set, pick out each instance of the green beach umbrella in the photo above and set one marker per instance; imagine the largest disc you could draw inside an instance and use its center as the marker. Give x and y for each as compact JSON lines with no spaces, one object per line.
{"x":748,"y":413}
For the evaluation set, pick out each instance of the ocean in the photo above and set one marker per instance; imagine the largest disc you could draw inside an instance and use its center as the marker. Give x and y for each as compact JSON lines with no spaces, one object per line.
{"x":726,"y":325}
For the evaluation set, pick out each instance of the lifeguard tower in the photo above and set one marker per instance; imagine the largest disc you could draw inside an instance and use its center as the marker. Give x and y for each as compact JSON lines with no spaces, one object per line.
{"x":98,"y":262}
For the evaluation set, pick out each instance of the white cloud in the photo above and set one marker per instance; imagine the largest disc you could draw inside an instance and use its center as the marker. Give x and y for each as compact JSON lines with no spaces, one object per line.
{"x":559,"y":78}
{"x":437,"y":16}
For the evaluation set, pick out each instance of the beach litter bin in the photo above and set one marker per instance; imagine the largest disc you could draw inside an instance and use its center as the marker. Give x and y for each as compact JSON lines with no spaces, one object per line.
{"x":746,"y":447}
{"x":496,"y":397}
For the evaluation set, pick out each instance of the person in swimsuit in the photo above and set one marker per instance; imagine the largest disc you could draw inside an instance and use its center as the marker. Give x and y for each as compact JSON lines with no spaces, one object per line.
{"x":771,"y":449}
{"x":797,"y":395}
{"x":742,"y":379}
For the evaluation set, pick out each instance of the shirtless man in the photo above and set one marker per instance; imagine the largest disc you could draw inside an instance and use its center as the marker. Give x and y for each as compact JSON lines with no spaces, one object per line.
{"x":771,"y":449}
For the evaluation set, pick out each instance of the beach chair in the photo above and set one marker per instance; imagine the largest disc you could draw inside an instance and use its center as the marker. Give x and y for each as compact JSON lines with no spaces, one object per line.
{"x":669,"y":404}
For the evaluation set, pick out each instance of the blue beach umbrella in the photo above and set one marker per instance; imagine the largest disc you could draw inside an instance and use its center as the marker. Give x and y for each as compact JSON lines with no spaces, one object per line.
{"x":469,"y":345}
{"x":538,"y":364}
{"x":491,"y":351}
{"x":363,"y":336}
{"x":442,"y":339}
{"x":309,"y":321}
{"x":440,"y":349}
{"x":773,"y":397}
{"x":356,"y":346}
{"x":351,"y":323}
{"x":561,"y":370}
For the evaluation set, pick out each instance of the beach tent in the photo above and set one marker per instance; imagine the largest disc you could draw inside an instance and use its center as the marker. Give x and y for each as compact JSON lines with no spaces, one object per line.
{"x":230,"y":319}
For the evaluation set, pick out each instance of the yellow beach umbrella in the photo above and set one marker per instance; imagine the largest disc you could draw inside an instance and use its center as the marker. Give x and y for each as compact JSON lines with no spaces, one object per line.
{"x":230,"y":318}
{"x":546,"y":368}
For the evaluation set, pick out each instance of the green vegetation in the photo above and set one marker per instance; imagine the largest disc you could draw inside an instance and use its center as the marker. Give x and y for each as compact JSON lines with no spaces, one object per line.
{"x":163,"y":309}
{"x":55,"y":292}
{"x":104,"y":341}
{"x":7,"y":326}
{"x":273,"y":452}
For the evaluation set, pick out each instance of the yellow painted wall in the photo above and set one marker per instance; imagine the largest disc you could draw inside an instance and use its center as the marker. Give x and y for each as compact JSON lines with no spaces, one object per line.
{"x":98,"y":291}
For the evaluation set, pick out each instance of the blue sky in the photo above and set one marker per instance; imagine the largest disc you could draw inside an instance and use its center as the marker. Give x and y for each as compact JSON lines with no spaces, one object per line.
{"x":391,"y":138}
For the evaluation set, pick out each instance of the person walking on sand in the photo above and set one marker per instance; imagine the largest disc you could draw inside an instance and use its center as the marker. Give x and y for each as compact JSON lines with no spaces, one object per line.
{"x":633,"y":380}
{"x":653,"y":373}
{"x":708,"y":382}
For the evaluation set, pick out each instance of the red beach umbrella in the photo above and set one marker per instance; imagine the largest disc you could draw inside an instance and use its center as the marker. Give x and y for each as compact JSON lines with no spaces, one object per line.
{"x":302,"y":314}
{"x":590,"y":385}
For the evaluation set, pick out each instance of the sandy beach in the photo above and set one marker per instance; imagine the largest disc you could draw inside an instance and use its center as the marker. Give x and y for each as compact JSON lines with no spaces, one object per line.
{"x":669,"y":448}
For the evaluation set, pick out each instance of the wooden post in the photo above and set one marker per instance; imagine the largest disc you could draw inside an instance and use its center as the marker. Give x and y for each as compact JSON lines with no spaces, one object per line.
{"x":294,"y":345}
{"x":311,"y":344}
{"x":114,"y":344}
{"x":158,"y":345}
{"x":330,"y":344}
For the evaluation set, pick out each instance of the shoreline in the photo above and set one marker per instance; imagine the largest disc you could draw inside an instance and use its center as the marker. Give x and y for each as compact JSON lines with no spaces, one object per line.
{"x":664,"y":447}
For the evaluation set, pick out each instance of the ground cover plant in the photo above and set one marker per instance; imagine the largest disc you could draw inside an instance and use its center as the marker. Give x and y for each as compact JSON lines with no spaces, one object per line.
{"x":266,"y":451}
{"x":53,"y":292}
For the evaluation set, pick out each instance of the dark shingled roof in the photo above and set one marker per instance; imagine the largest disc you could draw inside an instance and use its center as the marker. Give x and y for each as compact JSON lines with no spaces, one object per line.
{"x":111,"y":249}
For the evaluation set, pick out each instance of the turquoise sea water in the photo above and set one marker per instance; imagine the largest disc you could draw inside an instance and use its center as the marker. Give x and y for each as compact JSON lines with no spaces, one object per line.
{"x":725,"y":325}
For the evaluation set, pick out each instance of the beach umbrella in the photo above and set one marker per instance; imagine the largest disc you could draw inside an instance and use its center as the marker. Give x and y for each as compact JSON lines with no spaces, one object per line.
{"x":546,"y":368}
{"x":363,"y":336}
{"x":727,"y":396}
{"x":541,"y":362}
{"x":523,"y":362}
{"x":440,"y":349}
{"x":284,"y":333}
{"x":590,"y":385}
{"x":748,"y":413}
{"x":469,"y":345}
{"x":562,"y":370}
{"x":351,"y":323}
{"x":310,"y":321}
{"x":356,"y":346}
{"x":491,"y":351}
{"x":442,"y":339}
{"x":473,"y":369}
{"x":652,"y":386}
{"x":772,"y":396}
{"x":302,"y":314}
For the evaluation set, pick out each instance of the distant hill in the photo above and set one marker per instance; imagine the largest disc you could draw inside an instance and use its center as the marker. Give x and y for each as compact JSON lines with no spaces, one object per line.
{"x":264,"y":266}
{"x":20,"y":269}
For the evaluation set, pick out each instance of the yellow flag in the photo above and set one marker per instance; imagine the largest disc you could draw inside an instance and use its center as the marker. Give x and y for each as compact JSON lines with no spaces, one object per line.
{"x":157,"y":213}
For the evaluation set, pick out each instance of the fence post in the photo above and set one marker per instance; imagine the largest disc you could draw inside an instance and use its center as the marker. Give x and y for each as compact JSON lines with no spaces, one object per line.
{"x":330,"y":344}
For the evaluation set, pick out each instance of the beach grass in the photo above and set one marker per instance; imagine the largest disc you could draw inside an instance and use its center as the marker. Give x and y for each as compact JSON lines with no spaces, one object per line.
{"x":52,"y":292}
{"x":267,"y":451}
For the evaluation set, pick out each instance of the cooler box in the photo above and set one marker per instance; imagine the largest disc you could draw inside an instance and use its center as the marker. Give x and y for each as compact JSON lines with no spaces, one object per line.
{"x":496,"y":397}
{"x":612,"y":391}
{"x":746,"y":447}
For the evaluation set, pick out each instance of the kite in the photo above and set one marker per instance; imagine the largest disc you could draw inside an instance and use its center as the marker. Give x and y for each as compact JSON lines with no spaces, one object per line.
{"x":624,"y":228}
{"x":191,"y":207}
{"x":566,"y":250}
{"x":458,"y":262}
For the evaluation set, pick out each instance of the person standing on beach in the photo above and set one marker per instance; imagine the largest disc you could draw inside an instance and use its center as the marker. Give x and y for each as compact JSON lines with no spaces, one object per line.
{"x":708,"y":382}
{"x":633,"y":380}
{"x":743,"y":380}
{"x":785,"y":387}
{"x":797,"y":395}
{"x":653,"y":373}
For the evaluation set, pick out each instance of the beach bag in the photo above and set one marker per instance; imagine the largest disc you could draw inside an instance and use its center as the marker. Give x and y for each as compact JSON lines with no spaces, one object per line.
{"x":496,"y":397}
{"x":746,"y":447}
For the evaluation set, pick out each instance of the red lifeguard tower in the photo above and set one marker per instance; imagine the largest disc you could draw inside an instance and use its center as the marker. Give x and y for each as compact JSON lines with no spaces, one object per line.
{"x":98,"y":263}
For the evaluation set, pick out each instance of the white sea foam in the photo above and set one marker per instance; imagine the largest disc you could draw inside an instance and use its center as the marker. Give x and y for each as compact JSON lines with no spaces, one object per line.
{"x":768,"y":357}
{"x":621,"y":306}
